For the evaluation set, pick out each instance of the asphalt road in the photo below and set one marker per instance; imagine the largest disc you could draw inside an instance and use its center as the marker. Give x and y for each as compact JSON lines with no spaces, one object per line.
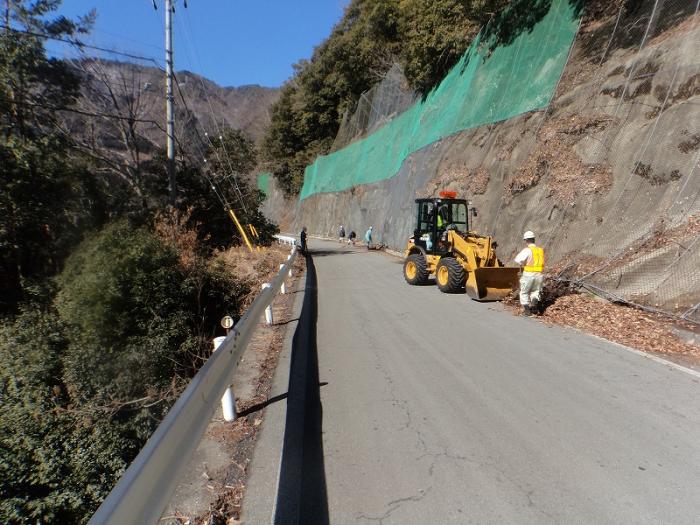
{"x":421,"y":407}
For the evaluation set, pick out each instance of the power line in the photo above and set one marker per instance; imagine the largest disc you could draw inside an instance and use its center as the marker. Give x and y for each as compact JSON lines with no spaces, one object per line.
{"x":219,"y":194}
{"x":78,"y":43}
{"x":212,"y":147}
{"x":187,"y":32}
{"x":86,"y":113}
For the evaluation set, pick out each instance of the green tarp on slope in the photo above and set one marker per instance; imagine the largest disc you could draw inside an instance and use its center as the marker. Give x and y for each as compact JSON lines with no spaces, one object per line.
{"x":480,"y":89}
{"x":264,"y":183}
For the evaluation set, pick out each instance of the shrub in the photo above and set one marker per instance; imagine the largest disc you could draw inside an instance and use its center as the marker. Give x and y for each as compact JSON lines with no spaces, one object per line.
{"x":85,"y":384}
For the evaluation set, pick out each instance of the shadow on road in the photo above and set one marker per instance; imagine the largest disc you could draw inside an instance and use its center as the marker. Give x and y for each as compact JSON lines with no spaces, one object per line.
{"x":274,"y":399}
{"x":301,"y":495}
{"x":339,"y":251}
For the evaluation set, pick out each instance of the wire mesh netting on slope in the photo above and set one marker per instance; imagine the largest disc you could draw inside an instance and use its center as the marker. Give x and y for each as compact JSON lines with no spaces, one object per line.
{"x":492,"y":82}
{"x":644,"y":246}
{"x":376,"y":107}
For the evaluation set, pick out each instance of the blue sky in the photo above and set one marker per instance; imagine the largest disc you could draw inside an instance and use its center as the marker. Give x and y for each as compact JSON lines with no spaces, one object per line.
{"x":233,"y":42}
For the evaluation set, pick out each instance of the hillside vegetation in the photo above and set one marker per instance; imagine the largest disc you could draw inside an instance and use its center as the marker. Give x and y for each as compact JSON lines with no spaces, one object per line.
{"x":109,"y":296}
{"x":426,"y":37}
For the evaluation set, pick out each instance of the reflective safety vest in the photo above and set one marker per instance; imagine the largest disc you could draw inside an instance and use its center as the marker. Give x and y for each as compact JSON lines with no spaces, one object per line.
{"x":439,"y":220}
{"x":537,"y":260}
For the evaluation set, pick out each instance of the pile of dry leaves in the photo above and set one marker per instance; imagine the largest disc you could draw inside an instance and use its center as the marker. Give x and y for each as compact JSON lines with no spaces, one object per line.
{"x":555,"y":161}
{"x":621,"y":324}
{"x":473,"y":181}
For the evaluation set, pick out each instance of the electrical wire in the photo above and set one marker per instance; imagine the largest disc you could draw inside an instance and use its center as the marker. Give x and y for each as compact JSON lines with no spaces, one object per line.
{"x":87,"y":113}
{"x":187,"y":32}
{"x":79,"y":44}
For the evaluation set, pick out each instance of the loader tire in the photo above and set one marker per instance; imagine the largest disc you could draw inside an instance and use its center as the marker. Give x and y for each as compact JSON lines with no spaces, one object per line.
{"x":415,"y":269}
{"x":450,"y":275}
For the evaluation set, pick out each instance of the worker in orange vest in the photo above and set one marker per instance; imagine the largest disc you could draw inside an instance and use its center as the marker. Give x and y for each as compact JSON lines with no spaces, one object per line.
{"x":531,"y":259}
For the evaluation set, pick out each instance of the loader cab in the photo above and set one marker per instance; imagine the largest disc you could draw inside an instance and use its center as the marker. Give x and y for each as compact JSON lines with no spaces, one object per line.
{"x":434,"y":217}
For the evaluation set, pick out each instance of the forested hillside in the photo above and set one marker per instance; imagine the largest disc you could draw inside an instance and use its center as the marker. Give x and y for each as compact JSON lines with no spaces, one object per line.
{"x":109,"y":296}
{"x":426,"y":37}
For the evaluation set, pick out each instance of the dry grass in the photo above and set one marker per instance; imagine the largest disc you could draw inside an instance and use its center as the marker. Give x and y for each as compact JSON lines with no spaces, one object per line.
{"x":255,"y":268}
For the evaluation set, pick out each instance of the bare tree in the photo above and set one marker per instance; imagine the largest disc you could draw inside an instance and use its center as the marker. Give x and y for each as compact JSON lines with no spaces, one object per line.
{"x":110,"y":121}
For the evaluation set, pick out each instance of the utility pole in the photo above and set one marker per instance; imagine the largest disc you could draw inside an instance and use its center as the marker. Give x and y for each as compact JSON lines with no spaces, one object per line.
{"x":170,"y":118}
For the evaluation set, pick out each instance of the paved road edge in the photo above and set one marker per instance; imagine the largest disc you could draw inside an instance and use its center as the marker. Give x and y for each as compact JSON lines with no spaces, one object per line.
{"x":261,"y":493}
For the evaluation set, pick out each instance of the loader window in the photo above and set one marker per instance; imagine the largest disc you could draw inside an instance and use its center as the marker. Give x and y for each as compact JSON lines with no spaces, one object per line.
{"x":425,"y":222}
{"x":458,"y":216}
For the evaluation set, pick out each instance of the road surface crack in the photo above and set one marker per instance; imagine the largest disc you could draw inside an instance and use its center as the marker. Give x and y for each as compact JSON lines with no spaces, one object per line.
{"x":394,"y":505}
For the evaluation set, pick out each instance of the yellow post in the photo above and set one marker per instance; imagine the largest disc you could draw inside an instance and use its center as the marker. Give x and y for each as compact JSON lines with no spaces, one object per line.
{"x":240,"y":229}
{"x":254,"y":232}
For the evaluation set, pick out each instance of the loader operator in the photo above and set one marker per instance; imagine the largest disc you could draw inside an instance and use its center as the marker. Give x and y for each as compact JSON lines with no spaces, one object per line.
{"x":531,"y":259}
{"x":442,"y":217}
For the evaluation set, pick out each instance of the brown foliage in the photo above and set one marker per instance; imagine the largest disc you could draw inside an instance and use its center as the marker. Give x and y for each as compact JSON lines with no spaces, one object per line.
{"x":554,"y":158}
{"x":621,"y":324}
{"x":460,"y":178}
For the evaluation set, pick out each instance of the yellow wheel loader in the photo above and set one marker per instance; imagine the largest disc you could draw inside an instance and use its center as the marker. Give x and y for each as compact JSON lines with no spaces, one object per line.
{"x":443,"y":246}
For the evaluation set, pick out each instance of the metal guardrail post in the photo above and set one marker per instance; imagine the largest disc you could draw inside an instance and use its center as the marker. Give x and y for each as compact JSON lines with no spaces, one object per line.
{"x":268,"y":311}
{"x":283,"y":288}
{"x":147,"y":486}
{"x":228,"y":400}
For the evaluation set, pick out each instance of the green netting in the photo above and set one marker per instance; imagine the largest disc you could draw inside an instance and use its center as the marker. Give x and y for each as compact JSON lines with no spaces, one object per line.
{"x":486,"y":86}
{"x":264,"y":183}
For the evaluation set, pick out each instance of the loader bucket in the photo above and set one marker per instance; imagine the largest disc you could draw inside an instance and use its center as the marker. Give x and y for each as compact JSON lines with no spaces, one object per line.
{"x":491,"y":284}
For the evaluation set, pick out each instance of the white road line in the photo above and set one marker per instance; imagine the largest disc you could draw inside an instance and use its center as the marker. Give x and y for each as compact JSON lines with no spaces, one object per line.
{"x":653,"y":357}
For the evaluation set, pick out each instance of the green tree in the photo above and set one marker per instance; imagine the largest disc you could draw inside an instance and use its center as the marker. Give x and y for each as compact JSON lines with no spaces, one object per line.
{"x":45,"y":198}
{"x":84,"y":384}
{"x":205,"y":192}
{"x":231,"y":160}
{"x":57,"y":463}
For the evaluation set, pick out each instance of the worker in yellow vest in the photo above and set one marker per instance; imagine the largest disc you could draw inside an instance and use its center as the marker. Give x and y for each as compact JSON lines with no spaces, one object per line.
{"x":531,"y":259}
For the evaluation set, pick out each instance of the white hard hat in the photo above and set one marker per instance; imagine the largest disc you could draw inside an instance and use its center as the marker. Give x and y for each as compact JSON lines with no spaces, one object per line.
{"x":528,"y":235}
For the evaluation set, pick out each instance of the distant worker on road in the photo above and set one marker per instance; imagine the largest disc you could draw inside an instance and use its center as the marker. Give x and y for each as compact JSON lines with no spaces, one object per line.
{"x":302,"y":238}
{"x":368,"y":237}
{"x":531,"y":259}
{"x":341,"y":233}
{"x":351,"y":237}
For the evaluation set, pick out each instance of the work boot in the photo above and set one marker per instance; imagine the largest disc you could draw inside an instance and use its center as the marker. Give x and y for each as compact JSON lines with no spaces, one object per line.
{"x":527,"y":311}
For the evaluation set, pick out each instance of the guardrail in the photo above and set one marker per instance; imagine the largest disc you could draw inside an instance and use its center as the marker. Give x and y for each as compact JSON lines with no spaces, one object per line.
{"x":146,"y":487}
{"x":284,"y":239}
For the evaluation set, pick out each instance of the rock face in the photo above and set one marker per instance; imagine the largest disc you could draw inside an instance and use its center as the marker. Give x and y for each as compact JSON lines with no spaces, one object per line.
{"x":607,"y":176}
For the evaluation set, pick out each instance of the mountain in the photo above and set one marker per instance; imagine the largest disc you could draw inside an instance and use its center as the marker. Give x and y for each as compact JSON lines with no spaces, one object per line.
{"x":122,"y":108}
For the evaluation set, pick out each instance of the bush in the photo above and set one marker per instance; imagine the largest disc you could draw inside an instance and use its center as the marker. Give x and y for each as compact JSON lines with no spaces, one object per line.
{"x":85,"y":384}
{"x":120,"y":292}
{"x":56,"y":463}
